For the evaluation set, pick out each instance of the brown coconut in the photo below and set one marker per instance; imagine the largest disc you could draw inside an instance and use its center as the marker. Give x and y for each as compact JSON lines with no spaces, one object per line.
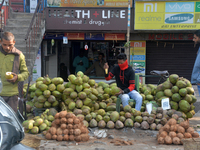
{"x":53,"y":130}
{"x":84,"y":137}
{"x":77,"y":132}
{"x":163,"y":134}
{"x":166,"y":127}
{"x":161,"y":130}
{"x":180,"y":129}
{"x":71,"y":137}
{"x":59,"y":138}
{"x":176,"y":141}
{"x":69,"y":115}
{"x":161,"y":140}
{"x":172,"y":121}
{"x":66,"y":132}
{"x":76,"y":121}
{"x":70,"y":120}
{"x":57,"y":121}
{"x":77,"y":138}
{"x":185,"y":124}
{"x":172,"y":134}
{"x":190,"y":130}
{"x":54,"y":137}
{"x":69,"y":126}
{"x":83,"y":130}
{"x":168,"y":140}
{"x":59,"y":131}
{"x":71,"y":131}
{"x":66,"y":137}
{"x":180,"y":135}
{"x":63,"y":126}
{"x":63,"y":120}
{"x":173,"y":128}
{"x":77,"y":126}
{"x":80,"y":118}
{"x":48,"y":136}
{"x":195,"y":135}
{"x":57,"y":116}
{"x":63,"y":114}
{"x":187,"y":135}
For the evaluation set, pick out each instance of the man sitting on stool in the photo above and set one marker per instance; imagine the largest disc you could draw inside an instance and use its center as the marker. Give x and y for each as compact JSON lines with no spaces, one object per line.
{"x":125,"y":79}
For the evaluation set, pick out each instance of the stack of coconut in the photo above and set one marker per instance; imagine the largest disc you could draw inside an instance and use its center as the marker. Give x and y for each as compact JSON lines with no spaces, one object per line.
{"x":174,"y":133}
{"x":157,"y":119}
{"x":67,"y":127}
{"x":179,"y":91}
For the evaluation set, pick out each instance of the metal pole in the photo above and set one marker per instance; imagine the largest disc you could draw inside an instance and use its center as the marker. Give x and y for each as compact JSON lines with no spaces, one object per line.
{"x":128,"y":34}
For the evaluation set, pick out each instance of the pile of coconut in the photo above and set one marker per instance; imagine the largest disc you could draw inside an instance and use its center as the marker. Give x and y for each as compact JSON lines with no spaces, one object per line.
{"x":67,"y":127}
{"x":173,"y":133}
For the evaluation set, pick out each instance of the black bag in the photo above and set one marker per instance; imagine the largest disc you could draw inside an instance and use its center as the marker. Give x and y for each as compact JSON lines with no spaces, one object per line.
{"x":11,"y":130}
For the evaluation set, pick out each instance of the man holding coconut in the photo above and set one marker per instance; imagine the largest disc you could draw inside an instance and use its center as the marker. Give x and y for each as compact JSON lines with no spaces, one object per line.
{"x":12,"y":69}
{"x":125,"y":79}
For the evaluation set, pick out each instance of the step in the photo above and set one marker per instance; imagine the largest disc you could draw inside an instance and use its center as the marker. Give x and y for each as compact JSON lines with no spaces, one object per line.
{"x":22,"y":15}
{"x":21,"y":21}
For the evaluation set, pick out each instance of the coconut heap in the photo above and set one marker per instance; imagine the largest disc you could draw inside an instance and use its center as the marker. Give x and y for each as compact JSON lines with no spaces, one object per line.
{"x":40,"y":123}
{"x":179,"y":91}
{"x":157,"y":119}
{"x":173,"y":133}
{"x":67,"y":127}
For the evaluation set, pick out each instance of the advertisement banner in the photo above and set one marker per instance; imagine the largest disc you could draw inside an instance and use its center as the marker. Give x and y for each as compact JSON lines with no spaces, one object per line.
{"x":167,"y":15}
{"x":33,"y":5}
{"x":75,"y":36}
{"x":138,"y":58}
{"x":88,"y":3}
{"x":37,"y":66}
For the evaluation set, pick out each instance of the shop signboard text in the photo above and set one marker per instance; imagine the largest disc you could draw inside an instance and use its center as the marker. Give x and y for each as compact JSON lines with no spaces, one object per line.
{"x":167,"y":15}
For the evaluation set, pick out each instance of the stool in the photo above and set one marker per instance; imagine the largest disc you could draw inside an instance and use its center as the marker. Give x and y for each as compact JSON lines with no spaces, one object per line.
{"x":119,"y":101}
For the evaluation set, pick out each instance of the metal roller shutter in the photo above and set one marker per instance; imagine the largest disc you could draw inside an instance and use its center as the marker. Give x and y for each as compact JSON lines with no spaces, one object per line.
{"x":177,"y":60}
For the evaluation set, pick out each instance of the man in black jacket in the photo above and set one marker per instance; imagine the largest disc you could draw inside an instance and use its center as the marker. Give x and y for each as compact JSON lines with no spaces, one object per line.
{"x":125,"y":79}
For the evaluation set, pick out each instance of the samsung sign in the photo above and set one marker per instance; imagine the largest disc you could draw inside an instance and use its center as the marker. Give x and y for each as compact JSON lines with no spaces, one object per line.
{"x":178,"y":18}
{"x":179,"y":7}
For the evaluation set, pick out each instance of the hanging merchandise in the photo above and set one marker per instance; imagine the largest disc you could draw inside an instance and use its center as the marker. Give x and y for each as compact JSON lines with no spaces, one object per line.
{"x":86,"y":47}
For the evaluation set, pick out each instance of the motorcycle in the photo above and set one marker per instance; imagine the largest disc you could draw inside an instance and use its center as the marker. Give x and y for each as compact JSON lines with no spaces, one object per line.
{"x":11,"y":129}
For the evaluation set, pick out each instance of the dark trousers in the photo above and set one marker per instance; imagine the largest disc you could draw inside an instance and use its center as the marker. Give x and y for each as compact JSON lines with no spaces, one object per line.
{"x":12,"y":101}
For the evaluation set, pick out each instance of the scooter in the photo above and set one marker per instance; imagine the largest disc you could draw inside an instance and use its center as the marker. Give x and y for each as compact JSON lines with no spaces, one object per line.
{"x":11,"y":130}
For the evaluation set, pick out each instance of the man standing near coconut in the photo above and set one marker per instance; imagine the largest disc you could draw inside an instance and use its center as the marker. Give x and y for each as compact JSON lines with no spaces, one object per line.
{"x":125,"y":79}
{"x":195,"y":79}
{"x":11,"y":60}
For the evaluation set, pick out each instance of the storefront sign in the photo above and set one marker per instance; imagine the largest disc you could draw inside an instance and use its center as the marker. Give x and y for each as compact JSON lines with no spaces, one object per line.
{"x":86,"y":19}
{"x":75,"y":36}
{"x":112,"y":36}
{"x":167,"y":15}
{"x":138,"y":58}
{"x":88,"y":3}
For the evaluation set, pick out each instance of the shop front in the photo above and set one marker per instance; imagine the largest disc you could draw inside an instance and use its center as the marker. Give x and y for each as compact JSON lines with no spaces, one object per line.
{"x":168,"y":34}
{"x":95,"y":30}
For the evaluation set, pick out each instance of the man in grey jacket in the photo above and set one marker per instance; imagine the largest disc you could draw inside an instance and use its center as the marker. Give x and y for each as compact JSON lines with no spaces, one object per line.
{"x":98,"y":66}
{"x":195,"y":79}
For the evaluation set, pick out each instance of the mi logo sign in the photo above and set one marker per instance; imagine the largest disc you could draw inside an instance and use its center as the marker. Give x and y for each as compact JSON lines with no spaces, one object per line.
{"x":150,"y":7}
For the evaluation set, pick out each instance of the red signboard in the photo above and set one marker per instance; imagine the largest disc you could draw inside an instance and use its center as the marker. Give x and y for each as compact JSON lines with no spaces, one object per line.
{"x":115,"y":36}
{"x":75,"y":36}
{"x":167,"y":36}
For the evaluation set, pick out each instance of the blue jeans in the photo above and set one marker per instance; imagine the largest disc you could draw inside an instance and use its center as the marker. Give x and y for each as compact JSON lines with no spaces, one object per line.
{"x":198,"y":87}
{"x":132,"y":95}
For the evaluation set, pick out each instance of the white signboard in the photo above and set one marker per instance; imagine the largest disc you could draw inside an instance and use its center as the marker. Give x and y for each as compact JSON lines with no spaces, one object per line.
{"x":37,"y":66}
{"x":65,"y":40}
{"x":33,"y":5}
{"x":165,"y":104}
